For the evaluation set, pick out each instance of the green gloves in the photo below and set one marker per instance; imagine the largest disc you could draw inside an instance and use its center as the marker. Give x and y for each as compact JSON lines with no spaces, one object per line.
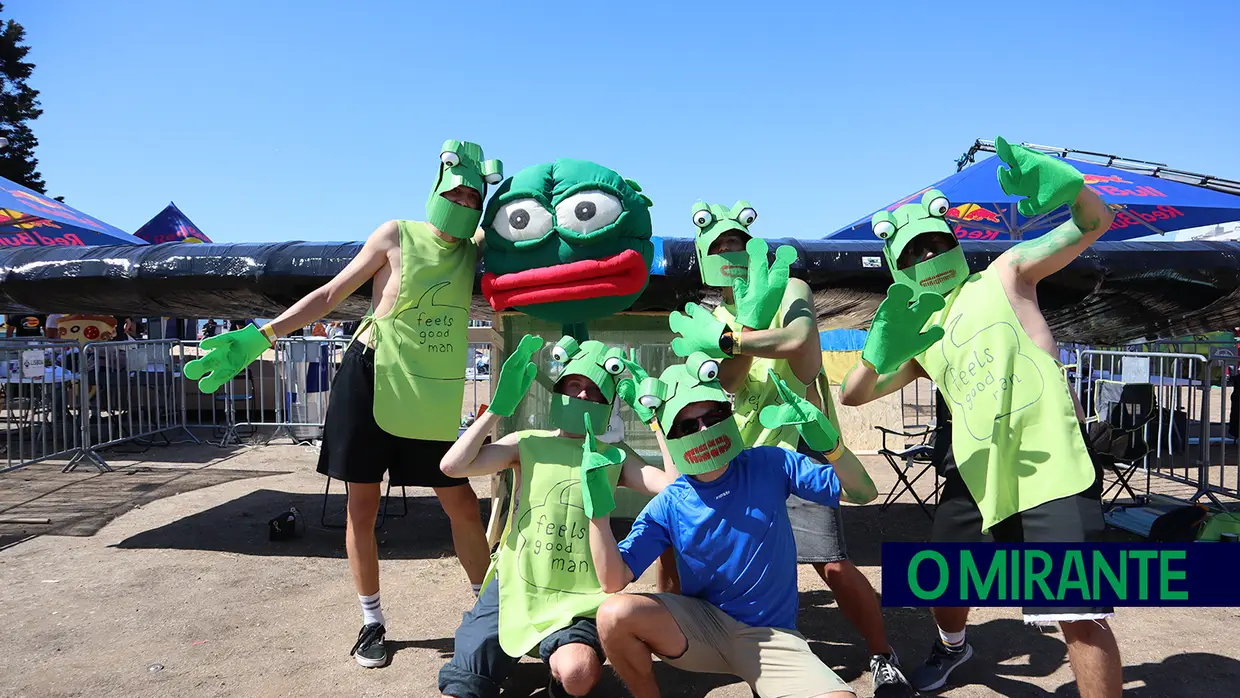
{"x":699,"y":331}
{"x":627,"y":389}
{"x":895,"y":335}
{"x":596,"y":494}
{"x":515,"y":377}
{"x":1046,"y":181}
{"x":228,"y":354}
{"x":759,"y":296}
{"x":817,"y":430}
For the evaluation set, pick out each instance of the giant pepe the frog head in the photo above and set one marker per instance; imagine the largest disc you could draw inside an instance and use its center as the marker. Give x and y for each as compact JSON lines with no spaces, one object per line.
{"x":586,"y":386}
{"x":921,"y":249}
{"x":720,"y":241}
{"x":455,"y":203}
{"x":693,"y":408}
{"x":567,"y":242}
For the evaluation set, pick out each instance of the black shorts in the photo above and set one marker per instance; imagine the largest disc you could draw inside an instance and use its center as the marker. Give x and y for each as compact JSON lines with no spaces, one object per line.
{"x":1073,"y":519}
{"x":355,"y":449}
{"x":818,"y":530}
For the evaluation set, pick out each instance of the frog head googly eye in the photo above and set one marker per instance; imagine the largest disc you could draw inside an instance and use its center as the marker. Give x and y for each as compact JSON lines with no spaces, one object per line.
{"x":884,"y":225}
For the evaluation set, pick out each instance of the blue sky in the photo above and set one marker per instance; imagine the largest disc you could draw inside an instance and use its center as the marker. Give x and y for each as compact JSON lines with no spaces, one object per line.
{"x":280,"y":120}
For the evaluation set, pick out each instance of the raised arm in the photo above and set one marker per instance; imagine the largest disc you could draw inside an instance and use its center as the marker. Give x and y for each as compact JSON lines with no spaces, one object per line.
{"x":325,"y":298}
{"x":864,"y":385}
{"x":639,"y":476}
{"x":471,"y":457}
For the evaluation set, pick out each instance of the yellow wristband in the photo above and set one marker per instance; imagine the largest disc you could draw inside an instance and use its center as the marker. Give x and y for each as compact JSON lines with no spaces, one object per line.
{"x":836,"y":452}
{"x":654,"y":424}
{"x":736,"y":341}
{"x":269,"y":332}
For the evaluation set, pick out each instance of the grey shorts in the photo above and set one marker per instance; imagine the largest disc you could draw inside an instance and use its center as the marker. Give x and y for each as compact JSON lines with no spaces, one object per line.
{"x":818,"y":529}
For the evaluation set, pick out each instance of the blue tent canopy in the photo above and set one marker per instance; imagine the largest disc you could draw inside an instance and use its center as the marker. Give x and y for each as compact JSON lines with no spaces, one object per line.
{"x":30,"y":219}
{"x":980,"y":210}
{"x":170,"y":225}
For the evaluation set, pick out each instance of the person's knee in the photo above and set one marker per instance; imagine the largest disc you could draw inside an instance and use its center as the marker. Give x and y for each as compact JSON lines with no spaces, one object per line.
{"x":615,"y":614}
{"x":459,"y":503}
{"x":577,"y":668}
{"x":363,"y":503}
{"x":1089,"y":632}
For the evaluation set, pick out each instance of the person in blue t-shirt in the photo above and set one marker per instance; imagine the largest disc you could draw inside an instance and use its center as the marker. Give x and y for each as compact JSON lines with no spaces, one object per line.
{"x":726,"y":520}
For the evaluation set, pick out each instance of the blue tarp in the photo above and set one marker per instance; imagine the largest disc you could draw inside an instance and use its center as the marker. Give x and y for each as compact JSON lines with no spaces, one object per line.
{"x":981,"y":211}
{"x":30,"y":219}
{"x":170,"y":225}
{"x":842,"y":340}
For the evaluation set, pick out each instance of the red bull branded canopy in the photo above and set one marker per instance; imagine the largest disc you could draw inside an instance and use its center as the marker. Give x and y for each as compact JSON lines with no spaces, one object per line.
{"x":170,"y":225}
{"x":30,"y":219}
{"x":1146,"y":205}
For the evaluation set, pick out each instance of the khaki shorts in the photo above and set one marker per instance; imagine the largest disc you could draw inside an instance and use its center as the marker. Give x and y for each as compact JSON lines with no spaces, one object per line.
{"x":776,"y":663}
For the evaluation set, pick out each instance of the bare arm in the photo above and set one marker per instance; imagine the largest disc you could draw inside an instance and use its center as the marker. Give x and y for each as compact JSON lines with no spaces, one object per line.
{"x":669,"y":466}
{"x":1036,"y":259}
{"x":863,"y":385}
{"x":638,"y":475}
{"x":324,"y":299}
{"x":613,"y":574}
{"x":855,"y":482}
{"x":800,"y":327}
{"x":469,"y":457}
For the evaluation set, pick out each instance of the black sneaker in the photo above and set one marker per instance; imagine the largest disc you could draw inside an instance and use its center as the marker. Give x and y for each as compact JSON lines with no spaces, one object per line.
{"x":888,"y":680}
{"x":369,"y":650}
{"x":942,"y":661}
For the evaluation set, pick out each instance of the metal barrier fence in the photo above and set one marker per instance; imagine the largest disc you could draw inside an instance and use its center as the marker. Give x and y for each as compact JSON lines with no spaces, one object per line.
{"x":38,"y":392}
{"x":1191,"y":442}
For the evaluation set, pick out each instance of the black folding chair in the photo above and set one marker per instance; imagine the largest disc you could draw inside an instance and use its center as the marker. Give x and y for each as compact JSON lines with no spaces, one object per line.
{"x":910,"y":461}
{"x":1117,"y":435}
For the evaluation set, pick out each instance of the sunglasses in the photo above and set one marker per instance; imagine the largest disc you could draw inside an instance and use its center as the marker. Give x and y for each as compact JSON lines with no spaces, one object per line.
{"x":692,"y":425}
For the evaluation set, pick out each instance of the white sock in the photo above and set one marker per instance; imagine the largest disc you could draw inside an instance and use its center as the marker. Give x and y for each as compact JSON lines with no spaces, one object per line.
{"x":477,"y":589}
{"x":371,"y":612}
{"x":952,"y":640}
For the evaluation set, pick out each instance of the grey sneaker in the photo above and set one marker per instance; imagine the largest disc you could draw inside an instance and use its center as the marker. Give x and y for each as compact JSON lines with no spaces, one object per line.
{"x":369,"y":650}
{"x":888,"y":680}
{"x":942,"y":661}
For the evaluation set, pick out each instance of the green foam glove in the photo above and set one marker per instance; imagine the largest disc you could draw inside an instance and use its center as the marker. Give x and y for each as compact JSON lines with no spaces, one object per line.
{"x":698,"y":330}
{"x":596,"y":494}
{"x":759,"y":296}
{"x":515,"y":377}
{"x":895,"y":335}
{"x":228,"y":354}
{"x":1046,"y":182}
{"x":814,"y":426}
{"x":627,"y":388}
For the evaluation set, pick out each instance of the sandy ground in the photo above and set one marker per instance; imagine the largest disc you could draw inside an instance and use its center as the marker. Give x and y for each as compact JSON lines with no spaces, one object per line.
{"x":158,"y":579}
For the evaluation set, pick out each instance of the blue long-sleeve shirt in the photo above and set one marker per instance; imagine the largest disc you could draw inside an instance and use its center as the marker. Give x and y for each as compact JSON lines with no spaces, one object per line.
{"x":733,"y":542}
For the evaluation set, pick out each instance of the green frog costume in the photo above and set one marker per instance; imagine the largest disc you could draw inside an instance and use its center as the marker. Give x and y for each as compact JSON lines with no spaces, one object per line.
{"x":1015,"y":433}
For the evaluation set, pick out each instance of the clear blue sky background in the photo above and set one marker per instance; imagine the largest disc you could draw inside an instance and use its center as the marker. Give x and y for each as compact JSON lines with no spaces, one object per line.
{"x":279,"y":120}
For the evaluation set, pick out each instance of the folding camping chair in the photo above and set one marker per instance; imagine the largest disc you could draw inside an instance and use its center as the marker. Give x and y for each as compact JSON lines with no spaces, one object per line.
{"x":383,"y":509}
{"x":915,"y":458}
{"x":1117,"y":432}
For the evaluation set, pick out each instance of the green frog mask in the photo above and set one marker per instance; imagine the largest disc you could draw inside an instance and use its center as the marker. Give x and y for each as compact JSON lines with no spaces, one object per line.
{"x":455,"y":203}
{"x":940,"y":273}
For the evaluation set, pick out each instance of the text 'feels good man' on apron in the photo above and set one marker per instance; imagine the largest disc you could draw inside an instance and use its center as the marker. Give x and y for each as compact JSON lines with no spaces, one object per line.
{"x":421,"y":344}
{"x":545,"y":569}
{"x":1015,"y":433}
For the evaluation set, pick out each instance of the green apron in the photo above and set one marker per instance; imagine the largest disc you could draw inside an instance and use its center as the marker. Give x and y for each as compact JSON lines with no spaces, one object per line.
{"x":758,"y":391}
{"x":544,"y":558}
{"x":1015,"y":433}
{"x":421,"y":344}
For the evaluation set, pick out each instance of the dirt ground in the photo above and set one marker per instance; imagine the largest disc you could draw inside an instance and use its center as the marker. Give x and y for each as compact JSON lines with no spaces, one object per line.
{"x":159,"y":579}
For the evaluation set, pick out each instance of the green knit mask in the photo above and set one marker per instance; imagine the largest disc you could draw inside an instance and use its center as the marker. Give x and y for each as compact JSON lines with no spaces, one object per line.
{"x":940,"y":274}
{"x":463,"y":175}
{"x":713,"y":220}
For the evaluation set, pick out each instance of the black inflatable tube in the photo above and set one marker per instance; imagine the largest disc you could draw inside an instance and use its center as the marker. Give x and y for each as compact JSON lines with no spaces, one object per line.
{"x":1114,"y":292}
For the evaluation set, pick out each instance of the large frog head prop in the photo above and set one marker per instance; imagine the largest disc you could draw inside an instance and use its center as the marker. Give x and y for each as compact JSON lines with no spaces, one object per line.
{"x":713,"y":221}
{"x":567,"y":242}
{"x":935,"y":261}
{"x":455,"y":203}
{"x":591,"y":360}
{"x":695,"y":449}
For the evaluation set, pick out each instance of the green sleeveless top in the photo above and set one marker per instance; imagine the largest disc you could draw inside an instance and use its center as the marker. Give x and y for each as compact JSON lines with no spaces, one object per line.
{"x":1015,"y":434}
{"x":758,"y":391}
{"x":543,"y":561}
{"x":421,"y":344}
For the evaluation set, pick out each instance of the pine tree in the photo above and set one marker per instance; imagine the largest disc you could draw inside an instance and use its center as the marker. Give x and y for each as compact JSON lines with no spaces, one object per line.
{"x":19,"y":105}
